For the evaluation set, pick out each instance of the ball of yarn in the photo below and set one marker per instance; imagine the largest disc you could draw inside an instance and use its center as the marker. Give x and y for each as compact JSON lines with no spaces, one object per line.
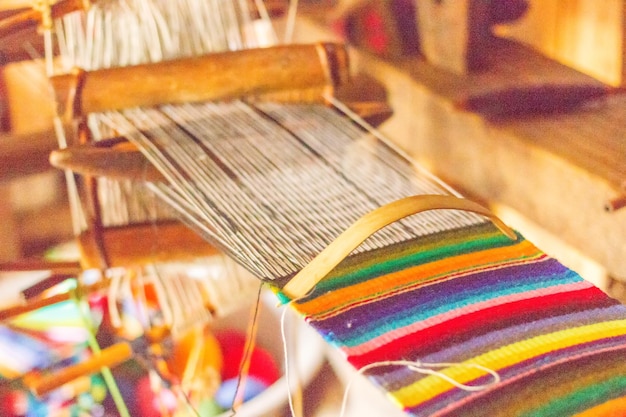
{"x":145,"y":401}
{"x":225,"y":395}
{"x":13,"y":403}
{"x":263,"y":366}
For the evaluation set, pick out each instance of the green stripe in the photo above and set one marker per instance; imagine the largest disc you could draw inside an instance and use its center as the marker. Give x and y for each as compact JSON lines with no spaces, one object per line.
{"x":362,"y":267}
{"x":583,"y":399}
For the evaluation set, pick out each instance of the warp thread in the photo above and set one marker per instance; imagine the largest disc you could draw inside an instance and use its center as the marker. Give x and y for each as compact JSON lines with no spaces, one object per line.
{"x":247,"y":354}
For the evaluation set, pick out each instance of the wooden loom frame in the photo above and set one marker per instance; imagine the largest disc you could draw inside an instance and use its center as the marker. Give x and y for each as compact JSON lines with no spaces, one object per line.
{"x":278,"y":76}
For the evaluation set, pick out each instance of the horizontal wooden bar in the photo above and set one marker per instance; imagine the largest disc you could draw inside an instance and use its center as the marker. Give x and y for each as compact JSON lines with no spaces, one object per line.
{"x":37,"y":303}
{"x":109,"y":357}
{"x":17,"y":22}
{"x":140,"y":244}
{"x":37,"y":289}
{"x":218,"y":76}
{"x":114,"y":158}
{"x":14,"y":311}
{"x":60,"y":267}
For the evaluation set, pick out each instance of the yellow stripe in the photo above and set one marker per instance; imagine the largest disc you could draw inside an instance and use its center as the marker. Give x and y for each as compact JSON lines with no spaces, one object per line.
{"x":431,"y":386}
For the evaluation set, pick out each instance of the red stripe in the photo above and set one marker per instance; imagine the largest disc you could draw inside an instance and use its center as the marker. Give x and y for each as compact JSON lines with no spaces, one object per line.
{"x":473,"y":324}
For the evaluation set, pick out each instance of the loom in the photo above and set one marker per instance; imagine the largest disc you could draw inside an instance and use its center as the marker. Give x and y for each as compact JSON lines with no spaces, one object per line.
{"x":524,"y":284}
{"x":444,"y":288}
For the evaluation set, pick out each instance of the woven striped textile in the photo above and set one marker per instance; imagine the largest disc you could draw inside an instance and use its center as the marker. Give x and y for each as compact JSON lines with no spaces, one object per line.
{"x":473,"y":296}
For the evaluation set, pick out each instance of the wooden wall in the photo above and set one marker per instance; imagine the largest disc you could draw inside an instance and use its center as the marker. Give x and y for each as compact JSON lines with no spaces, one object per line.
{"x":585,"y":34}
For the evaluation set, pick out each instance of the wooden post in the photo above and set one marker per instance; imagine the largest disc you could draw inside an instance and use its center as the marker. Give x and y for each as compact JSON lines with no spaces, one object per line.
{"x":453,"y":33}
{"x":9,"y":240}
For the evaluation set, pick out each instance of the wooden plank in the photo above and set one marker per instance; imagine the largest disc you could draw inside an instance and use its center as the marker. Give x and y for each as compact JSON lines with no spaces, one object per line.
{"x":30,"y":15}
{"x":15,"y":4}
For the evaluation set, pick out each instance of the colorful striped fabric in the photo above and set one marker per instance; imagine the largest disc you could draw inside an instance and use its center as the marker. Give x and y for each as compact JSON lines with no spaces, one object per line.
{"x":472,"y":296}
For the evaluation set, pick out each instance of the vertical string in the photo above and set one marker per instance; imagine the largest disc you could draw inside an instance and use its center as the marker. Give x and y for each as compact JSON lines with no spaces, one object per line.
{"x":247,"y":356}
{"x":378,"y":135}
{"x":112,"y":292}
{"x":74,"y":203}
{"x":295,"y":404}
{"x":190,"y":405}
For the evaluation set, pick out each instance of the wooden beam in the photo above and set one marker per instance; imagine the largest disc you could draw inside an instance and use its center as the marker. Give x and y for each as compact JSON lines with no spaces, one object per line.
{"x":219,"y":76}
{"x":140,"y":244}
{"x":8,"y":5}
{"x":27,"y":97}
{"x":28,"y":16}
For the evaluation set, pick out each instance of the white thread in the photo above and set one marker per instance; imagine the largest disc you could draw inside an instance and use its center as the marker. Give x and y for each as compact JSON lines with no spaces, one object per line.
{"x":378,"y":135}
{"x":423,"y":368}
{"x":286,"y":358}
{"x":161,"y":295}
{"x":114,"y":286}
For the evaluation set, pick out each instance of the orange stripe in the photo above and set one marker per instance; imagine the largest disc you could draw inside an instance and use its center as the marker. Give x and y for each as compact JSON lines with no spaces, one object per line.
{"x":334,"y":300}
{"x":613,"y":408}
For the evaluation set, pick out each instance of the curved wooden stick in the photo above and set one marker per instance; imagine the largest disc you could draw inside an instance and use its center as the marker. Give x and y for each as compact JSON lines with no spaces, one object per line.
{"x":370,"y":223}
